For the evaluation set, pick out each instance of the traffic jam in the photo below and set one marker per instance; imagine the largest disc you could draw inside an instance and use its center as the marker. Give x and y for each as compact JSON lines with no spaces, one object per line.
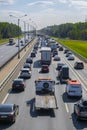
{"x":50,"y":52}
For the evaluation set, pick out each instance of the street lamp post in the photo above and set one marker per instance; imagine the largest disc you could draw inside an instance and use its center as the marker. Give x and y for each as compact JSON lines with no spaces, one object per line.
{"x":25,"y":35}
{"x":18,"y":32}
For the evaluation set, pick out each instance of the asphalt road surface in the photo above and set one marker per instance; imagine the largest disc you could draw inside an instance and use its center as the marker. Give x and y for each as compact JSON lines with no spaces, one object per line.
{"x":58,"y":119}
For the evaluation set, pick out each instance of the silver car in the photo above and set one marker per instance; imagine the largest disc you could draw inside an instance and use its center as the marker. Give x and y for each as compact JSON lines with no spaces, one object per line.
{"x":25,"y":73}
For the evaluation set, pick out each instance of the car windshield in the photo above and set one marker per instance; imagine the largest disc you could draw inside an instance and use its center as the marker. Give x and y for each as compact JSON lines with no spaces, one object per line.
{"x":17,"y":82}
{"x":77,"y":86}
{"x":5,"y":109}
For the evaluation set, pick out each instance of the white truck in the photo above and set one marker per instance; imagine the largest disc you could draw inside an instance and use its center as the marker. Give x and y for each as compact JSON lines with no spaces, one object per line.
{"x":12,"y":41}
{"x":46,"y":56}
{"x":45,"y":94}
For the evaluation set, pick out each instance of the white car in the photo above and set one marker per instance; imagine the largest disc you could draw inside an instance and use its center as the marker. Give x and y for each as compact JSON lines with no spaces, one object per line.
{"x":56,"y":58}
{"x":25,"y":73}
{"x":74,"y":88}
{"x":70,"y":57}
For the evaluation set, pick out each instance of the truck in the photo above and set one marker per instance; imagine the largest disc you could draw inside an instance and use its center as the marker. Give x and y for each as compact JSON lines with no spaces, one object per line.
{"x":12,"y":41}
{"x":63,"y":74}
{"x":46,"y":55}
{"x":45,"y":94}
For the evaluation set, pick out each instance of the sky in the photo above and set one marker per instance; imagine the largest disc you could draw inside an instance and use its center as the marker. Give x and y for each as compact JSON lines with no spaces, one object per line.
{"x":43,"y":13}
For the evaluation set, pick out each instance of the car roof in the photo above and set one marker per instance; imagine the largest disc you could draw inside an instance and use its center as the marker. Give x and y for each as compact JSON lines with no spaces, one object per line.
{"x":18,"y":79}
{"x":73,"y":82}
{"x":79,"y":62}
{"x":24,"y":69}
{"x":6,"y":105}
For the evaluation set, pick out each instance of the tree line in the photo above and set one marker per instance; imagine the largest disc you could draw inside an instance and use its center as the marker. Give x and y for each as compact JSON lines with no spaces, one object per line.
{"x":8,"y":30}
{"x":76,"y":31}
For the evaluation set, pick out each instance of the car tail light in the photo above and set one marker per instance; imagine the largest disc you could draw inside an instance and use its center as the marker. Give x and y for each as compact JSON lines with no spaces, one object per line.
{"x":22,"y":85}
{"x":10,"y":115}
{"x":13,"y":85}
{"x":79,"y":112}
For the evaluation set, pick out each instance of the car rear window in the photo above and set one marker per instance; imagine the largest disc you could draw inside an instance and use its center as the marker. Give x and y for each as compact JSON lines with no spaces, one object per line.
{"x":75,"y":86}
{"x":5,"y":109}
{"x":17,"y":82}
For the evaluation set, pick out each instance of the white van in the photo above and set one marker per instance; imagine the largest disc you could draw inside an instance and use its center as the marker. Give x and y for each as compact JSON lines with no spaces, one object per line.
{"x":74,"y":88}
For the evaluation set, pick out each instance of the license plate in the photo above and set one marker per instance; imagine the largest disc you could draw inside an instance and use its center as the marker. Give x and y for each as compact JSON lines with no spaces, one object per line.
{"x":3,"y":116}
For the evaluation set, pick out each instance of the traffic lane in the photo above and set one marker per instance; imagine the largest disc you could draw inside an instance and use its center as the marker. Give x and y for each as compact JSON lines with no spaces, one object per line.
{"x":82,"y":73}
{"x":28,"y":115}
{"x":7,"y":52}
{"x":69,"y":102}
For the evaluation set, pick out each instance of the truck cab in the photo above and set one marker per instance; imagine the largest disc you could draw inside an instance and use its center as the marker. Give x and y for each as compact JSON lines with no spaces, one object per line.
{"x":45,"y":85}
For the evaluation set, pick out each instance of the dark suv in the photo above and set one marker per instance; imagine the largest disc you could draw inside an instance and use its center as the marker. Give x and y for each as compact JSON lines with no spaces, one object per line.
{"x":79,"y":65}
{"x":80,"y":109}
{"x":18,"y":84}
{"x":59,"y":66}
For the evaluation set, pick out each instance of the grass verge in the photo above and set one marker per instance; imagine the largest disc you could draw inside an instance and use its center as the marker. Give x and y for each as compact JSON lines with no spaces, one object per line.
{"x":76,"y":45}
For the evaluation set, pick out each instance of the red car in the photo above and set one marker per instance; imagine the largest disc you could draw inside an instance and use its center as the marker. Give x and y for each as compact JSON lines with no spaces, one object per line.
{"x":45,"y":68}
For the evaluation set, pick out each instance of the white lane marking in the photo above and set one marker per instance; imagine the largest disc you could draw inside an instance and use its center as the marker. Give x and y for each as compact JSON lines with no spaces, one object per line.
{"x":66,"y":106}
{"x":5,"y":98}
{"x":78,"y":76}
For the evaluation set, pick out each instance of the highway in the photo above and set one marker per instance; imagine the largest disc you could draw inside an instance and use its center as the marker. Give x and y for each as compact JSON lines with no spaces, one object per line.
{"x":59,"y":119}
{"x":7,"y":51}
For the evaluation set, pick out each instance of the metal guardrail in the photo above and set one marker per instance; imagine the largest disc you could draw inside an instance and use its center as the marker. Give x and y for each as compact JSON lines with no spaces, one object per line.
{"x":9,"y":76}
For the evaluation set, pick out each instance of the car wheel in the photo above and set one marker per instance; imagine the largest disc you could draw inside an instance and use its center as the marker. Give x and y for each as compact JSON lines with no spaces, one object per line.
{"x":14,"y":119}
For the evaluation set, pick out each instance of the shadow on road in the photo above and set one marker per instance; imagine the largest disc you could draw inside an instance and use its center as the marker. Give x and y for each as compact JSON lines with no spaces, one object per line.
{"x":37,"y":64}
{"x":35,"y":113}
{"x":79,"y":125}
{"x":69,"y":99}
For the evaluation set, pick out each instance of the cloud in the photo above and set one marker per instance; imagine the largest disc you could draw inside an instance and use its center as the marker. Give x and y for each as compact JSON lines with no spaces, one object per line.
{"x":75,"y":3}
{"x":79,"y":3}
{"x":7,"y":2}
{"x":41,"y":3}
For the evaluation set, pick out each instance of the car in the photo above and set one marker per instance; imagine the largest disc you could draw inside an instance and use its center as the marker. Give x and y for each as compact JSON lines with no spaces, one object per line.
{"x":33,"y":54}
{"x":59,"y":66}
{"x":57,"y":58}
{"x":78,"y":65}
{"x":74,"y":88}
{"x":65,"y":51}
{"x":45,"y":68}
{"x":26,"y":40}
{"x":55,"y":52}
{"x":27,"y":65}
{"x":29,"y":60}
{"x":80,"y":109}
{"x":70,"y":57}
{"x":60,"y":48}
{"x":8,"y":112}
{"x":68,"y":53}
{"x":25,"y":73}
{"x":18,"y":84}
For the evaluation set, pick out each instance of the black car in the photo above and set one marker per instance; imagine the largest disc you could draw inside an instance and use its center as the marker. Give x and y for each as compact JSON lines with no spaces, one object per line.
{"x":80,"y":109}
{"x":33,"y":54}
{"x":8,"y":112}
{"x":29,"y":60}
{"x":18,"y":84}
{"x":45,"y":69}
{"x":78,"y":65}
{"x":59,"y":66}
{"x":55,"y":52}
{"x":60,"y":48}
